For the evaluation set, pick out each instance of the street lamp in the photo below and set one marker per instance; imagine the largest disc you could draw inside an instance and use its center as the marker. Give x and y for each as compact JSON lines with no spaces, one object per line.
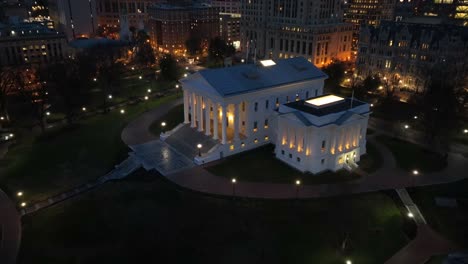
{"x":406,"y":126}
{"x":19,"y":194}
{"x":83,"y":109}
{"x":109,"y":96}
{"x":140,"y":77}
{"x":199,"y":146}
{"x":163,"y":125}
{"x":465,"y":131}
{"x":233,"y":181}
{"x":415,"y":172}
{"x":185,"y":75}
{"x":133,"y":68}
{"x":94,"y":79}
{"x":410,"y":215}
{"x":349,"y":261}
{"x":415,"y":117}
{"x":146,"y":97}
{"x":176,"y":86}
{"x":149,"y":90}
{"x":47,"y":113}
{"x":298,"y":183}
{"x":122,"y":111}
{"x":23,"y":204}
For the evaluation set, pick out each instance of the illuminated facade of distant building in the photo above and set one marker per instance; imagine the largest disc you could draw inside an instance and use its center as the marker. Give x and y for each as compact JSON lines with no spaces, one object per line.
{"x":171,"y":25}
{"x":229,"y":20}
{"x":312,"y":29}
{"x":31,"y":43}
{"x":404,"y":52}
{"x":109,"y":12}
{"x":77,"y":19}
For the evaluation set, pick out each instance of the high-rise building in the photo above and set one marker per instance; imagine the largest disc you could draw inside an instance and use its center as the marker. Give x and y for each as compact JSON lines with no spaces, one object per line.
{"x":368,"y":12}
{"x":403,"y":52}
{"x":289,"y":28}
{"x":229,"y":20}
{"x":76,"y":18}
{"x":171,"y":25}
{"x":31,"y":43}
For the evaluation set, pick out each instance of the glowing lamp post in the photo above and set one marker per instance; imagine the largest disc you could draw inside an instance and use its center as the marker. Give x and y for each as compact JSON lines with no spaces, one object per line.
{"x":23,"y":204}
{"x":465,"y":131}
{"x":298,"y":184}
{"x":349,"y":262}
{"x":410,"y":215}
{"x":19,"y":194}
{"x":109,"y":96}
{"x":163,"y":125}
{"x":149,"y":90}
{"x":199,"y":146}
{"x":233,"y":181}
{"x":122,"y":111}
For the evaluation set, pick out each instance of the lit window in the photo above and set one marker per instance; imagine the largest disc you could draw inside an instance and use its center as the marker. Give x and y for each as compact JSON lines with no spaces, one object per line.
{"x":242,"y":144}
{"x":255,"y":141}
{"x":266,"y":138}
{"x":266,"y":123}
{"x":231,"y":147}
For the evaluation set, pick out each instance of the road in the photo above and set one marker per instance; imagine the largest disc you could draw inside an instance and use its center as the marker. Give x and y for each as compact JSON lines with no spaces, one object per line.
{"x":10,"y":224}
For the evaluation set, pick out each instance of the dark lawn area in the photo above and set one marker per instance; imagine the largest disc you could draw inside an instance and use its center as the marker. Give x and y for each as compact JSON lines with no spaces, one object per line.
{"x":394,"y":110}
{"x":372,"y":160}
{"x":410,"y":156}
{"x":145,"y":219}
{"x":452,"y":222}
{"x":44,"y":165}
{"x":174,"y":117}
{"x":261,"y":165}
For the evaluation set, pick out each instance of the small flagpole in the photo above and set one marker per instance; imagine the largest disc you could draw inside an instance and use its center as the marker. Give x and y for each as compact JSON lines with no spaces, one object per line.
{"x":352,"y":98}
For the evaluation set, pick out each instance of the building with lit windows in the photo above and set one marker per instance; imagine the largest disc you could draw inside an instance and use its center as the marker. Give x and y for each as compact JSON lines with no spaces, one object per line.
{"x":229,"y":20}
{"x":277,"y":102}
{"x":109,"y":12}
{"x":77,"y":18}
{"x":404,"y":52}
{"x":171,"y":25}
{"x":31,"y":43}
{"x":283,"y":29}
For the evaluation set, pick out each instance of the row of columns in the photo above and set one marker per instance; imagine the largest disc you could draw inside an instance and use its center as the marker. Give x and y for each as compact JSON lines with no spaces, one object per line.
{"x":193,"y":105}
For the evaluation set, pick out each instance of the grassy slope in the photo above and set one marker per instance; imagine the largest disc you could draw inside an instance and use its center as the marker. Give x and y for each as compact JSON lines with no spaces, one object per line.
{"x":68,"y":157}
{"x":136,"y":219}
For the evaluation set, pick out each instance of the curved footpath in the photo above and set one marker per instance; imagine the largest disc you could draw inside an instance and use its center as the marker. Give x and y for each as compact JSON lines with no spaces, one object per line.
{"x":10,"y":230}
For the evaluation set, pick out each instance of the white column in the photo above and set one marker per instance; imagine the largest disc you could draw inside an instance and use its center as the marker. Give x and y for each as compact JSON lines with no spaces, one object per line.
{"x":186,"y":107}
{"x":215,"y":120}
{"x":236,"y":122}
{"x":207,"y":116}
{"x":200,"y":113}
{"x":248,"y":119}
{"x":223,"y":124}
{"x":193,"y":106}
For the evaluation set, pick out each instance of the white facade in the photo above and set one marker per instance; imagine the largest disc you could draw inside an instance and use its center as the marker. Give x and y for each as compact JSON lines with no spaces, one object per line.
{"x":329,"y":140}
{"x":243,"y":107}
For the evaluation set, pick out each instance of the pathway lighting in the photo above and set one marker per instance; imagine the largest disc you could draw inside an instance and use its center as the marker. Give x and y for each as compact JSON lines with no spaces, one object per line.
{"x":23,"y":204}
{"x":163,"y":125}
{"x":406,"y":126}
{"x":109,"y":96}
{"x":349,"y":261}
{"x":83,"y":109}
{"x":149,"y":90}
{"x":199,"y":146}
{"x":465,"y":131}
{"x":140,"y":77}
{"x":122,"y":111}
{"x":410,"y":215}
{"x":19,"y":194}
{"x":415,"y":117}
{"x":415,"y":172}
{"x":47,"y":113}
{"x":146,"y":97}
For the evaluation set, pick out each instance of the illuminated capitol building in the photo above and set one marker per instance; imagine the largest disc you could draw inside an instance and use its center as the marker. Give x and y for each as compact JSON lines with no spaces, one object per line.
{"x":277,"y":102}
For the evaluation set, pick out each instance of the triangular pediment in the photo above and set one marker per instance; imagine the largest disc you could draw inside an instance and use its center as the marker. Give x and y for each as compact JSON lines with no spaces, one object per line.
{"x":196,"y":83}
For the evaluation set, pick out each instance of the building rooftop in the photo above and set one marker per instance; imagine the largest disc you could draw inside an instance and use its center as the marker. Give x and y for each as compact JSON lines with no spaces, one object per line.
{"x":267,"y":74}
{"x":325,"y":105}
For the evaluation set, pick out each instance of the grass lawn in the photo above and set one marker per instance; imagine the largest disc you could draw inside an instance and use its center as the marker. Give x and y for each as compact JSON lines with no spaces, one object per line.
{"x":410,"y":156}
{"x":260,"y":165}
{"x":145,"y":219}
{"x":44,"y":165}
{"x":372,"y":160}
{"x":451,"y":222}
{"x":174,"y":117}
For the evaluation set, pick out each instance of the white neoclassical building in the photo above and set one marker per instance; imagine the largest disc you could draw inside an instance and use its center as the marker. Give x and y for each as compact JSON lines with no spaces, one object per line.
{"x":243,"y":107}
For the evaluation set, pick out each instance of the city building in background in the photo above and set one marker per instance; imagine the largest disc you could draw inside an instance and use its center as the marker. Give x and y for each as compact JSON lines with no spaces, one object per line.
{"x":229,"y":20}
{"x":31,"y":43}
{"x":172,"y":24}
{"x":403,"y":52}
{"x":284,"y":29}
{"x":76,"y":18}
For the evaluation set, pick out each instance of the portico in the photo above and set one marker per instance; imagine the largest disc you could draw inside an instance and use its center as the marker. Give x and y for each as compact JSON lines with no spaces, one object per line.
{"x":222,"y":121}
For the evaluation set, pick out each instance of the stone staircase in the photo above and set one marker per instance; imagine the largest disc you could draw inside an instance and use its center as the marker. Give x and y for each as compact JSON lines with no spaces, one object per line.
{"x":186,"y":139}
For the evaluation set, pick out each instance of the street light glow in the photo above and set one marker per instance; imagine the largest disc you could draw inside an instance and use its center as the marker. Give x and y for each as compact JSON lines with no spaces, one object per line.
{"x":465,"y":131}
{"x":415,"y":117}
{"x":298,"y":182}
{"x":19,"y":194}
{"x":163,"y":124}
{"x":47,"y":113}
{"x":122,"y":111}
{"x":23,"y":204}
{"x":146,"y":97}
{"x":233,"y":180}
{"x":94,"y":79}
{"x":185,"y":75}
{"x":176,"y":86}
{"x":84,"y":109}
{"x":199,"y":146}
{"x":149,"y":90}
{"x":349,"y":262}
{"x":1,"y":118}
{"x":406,"y":126}
{"x":415,"y":172}
{"x":133,"y":68}
{"x":410,"y":215}
{"x":110,"y":96}
{"x":140,"y":77}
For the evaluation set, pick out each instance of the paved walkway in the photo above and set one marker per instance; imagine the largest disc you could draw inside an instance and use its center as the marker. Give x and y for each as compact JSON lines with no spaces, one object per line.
{"x":10,"y":230}
{"x":137,"y":132}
